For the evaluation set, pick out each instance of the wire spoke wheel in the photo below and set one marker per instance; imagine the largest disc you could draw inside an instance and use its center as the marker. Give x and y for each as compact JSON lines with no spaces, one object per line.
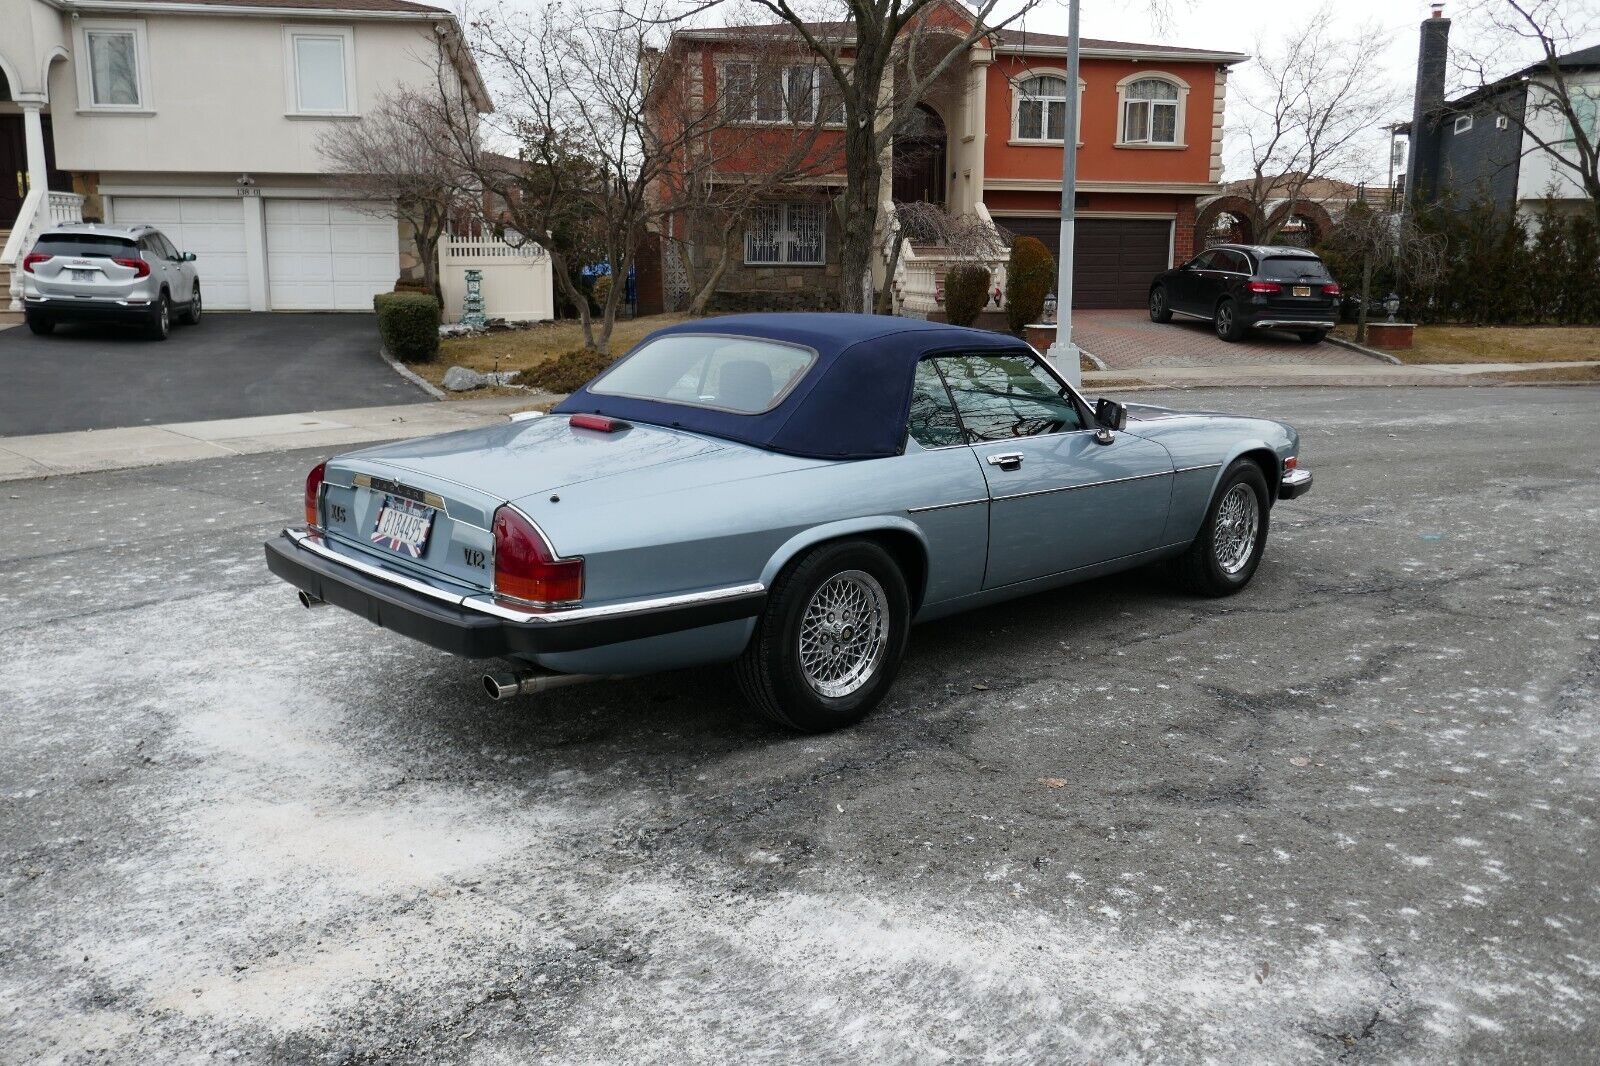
{"x":844,"y":633}
{"x":1238,"y":519}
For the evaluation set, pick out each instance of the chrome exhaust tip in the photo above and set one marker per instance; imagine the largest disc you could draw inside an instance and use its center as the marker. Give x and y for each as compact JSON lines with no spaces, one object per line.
{"x":510,"y":683}
{"x":307,"y":600}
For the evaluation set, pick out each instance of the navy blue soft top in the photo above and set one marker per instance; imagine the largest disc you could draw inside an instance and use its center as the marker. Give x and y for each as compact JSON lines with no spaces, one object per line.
{"x":851,"y":404}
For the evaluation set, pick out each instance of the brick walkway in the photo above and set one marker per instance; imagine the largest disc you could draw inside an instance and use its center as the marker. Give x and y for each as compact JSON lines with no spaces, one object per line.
{"x":1128,"y":340}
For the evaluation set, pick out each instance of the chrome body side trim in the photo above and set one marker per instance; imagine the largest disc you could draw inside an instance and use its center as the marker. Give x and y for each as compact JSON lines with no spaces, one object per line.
{"x":1090,"y":485}
{"x":1294,"y":323}
{"x":1191,"y":469}
{"x":944,"y":506}
{"x":484,"y":604}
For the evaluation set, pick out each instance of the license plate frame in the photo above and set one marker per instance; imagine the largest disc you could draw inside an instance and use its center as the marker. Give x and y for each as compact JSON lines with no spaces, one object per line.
{"x":409,"y":529}
{"x":79,"y":275}
{"x":1301,"y":290}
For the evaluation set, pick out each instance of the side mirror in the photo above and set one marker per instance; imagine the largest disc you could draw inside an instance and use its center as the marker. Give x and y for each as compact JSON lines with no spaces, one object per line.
{"x":186,"y":257}
{"x":1110,"y":414}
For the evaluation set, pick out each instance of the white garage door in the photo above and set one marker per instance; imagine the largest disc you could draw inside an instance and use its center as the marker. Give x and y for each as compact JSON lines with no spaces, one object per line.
{"x":327,"y":255}
{"x":210,"y":227}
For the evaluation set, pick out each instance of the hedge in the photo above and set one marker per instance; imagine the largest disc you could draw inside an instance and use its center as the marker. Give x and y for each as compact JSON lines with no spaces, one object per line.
{"x":966,"y":291}
{"x":1030,"y":276}
{"x":408,"y":322}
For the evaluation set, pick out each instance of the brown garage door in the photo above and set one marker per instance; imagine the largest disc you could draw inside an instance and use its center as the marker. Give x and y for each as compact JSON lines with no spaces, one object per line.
{"x":1114,"y":259}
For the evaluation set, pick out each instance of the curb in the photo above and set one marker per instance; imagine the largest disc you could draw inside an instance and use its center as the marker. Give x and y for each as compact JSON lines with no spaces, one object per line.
{"x":411,"y":375}
{"x":1370,"y":353}
{"x":1099,"y":363}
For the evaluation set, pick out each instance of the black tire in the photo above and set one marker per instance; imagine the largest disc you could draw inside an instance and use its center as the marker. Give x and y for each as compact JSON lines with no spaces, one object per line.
{"x":1160,"y":309}
{"x":1200,"y":569}
{"x":1312,"y":336}
{"x":191,"y":314}
{"x":161,"y":319}
{"x":42,"y":326}
{"x":770,"y":672}
{"x":1227,"y":323}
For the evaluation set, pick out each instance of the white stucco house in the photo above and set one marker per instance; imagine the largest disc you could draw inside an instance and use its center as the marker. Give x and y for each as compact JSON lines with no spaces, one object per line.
{"x":202,"y":117}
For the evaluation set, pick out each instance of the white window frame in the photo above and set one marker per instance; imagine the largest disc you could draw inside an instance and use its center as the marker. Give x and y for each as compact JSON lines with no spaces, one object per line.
{"x":787,"y":242}
{"x":291,"y":72}
{"x":1463,"y":124}
{"x":1017,"y":97}
{"x":1179,"y":120}
{"x":818,"y":74}
{"x":84,"y":64}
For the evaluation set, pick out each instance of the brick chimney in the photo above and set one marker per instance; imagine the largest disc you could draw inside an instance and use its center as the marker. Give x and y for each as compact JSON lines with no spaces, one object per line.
{"x":1433,"y":54}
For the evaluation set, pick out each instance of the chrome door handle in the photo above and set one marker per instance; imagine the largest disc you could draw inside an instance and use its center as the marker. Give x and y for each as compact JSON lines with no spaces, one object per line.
{"x":1005,"y":460}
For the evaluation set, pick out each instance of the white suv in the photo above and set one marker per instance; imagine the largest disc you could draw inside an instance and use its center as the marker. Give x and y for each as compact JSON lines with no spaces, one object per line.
{"x":88,"y":272}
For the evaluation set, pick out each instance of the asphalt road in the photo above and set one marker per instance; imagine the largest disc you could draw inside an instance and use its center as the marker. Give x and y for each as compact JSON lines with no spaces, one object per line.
{"x":1348,"y":815}
{"x":229,"y":366}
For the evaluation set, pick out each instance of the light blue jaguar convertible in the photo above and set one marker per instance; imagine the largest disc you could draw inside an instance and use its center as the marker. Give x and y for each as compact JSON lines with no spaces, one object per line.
{"x":788,"y":493}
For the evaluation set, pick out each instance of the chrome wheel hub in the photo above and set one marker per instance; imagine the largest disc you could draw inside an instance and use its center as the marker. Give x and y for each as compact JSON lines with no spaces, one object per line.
{"x":1238,"y":519}
{"x":844,"y":633}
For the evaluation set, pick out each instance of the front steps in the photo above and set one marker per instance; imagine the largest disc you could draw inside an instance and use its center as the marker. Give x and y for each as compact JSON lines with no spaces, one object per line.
{"x":7,"y":317}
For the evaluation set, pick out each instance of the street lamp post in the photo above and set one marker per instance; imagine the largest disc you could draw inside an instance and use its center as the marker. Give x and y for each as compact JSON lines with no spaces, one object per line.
{"x":1063,"y":353}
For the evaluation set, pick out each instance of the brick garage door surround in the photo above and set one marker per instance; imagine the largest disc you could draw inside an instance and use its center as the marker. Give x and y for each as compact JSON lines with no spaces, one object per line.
{"x":1113,"y":260}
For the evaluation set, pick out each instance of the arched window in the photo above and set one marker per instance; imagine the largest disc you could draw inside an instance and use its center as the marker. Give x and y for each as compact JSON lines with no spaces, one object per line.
{"x":1041,"y":108}
{"x":1152,"y":110}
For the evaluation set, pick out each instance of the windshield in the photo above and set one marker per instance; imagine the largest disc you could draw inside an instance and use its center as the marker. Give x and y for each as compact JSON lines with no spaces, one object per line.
{"x":84,"y":245}
{"x":740,"y":374}
{"x":1293,"y":268}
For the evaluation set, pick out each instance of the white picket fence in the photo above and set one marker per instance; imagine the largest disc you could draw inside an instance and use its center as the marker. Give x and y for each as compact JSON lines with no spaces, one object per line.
{"x":517,"y":281}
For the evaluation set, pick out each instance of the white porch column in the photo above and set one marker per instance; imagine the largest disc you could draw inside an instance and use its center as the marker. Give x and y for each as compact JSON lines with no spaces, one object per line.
{"x":33,"y":138}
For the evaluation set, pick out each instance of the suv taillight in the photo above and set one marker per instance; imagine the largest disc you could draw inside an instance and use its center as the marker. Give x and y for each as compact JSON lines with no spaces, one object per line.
{"x":141,"y":269}
{"x":1264,"y":286}
{"x":1331,"y":289}
{"x":30,"y":259}
{"x":526,"y":568}
{"x":314,"y":494}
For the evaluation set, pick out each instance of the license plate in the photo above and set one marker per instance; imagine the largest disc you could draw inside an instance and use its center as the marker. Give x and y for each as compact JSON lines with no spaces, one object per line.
{"x":82,"y":275}
{"x":403,"y":526}
{"x":1302,"y":290}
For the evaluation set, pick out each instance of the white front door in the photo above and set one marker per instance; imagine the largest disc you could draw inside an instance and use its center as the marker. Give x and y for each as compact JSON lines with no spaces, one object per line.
{"x":329,"y":255}
{"x":211,"y":227}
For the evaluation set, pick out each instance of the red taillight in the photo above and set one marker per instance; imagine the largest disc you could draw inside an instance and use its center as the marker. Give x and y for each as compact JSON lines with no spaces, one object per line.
{"x":314,"y":494}
{"x":1264,"y":286}
{"x":140,"y":268}
{"x":1331,"y":289}
{"x":526,"y":568}
{"x":30,"y":259}
{"x":597,"y":422}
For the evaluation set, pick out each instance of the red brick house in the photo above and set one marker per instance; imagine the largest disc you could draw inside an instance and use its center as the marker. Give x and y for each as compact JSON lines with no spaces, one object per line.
{"x":989,"y":140}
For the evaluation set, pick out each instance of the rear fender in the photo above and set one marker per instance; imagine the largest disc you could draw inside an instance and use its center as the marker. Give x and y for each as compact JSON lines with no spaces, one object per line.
{"x":864,"y":527}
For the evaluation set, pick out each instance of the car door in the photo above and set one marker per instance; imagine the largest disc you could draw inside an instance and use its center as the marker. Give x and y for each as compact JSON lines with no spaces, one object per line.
{"x":1061,"y":495}
{"x":1189,"y":281}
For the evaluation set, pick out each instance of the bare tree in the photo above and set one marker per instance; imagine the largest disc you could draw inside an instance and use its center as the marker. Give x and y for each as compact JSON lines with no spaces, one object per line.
{"x":1559,"y":113}
{"x":1308,"y":113}
{"x":400,"y":154}
{"x":1392,"y":244}
{"x":884,"y":56}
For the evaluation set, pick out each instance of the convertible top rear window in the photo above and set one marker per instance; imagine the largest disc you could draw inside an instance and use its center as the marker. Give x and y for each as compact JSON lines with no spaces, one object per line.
{"x":722,"y":372}
{"x":86,"y":245}
{"x":1292,"y":267}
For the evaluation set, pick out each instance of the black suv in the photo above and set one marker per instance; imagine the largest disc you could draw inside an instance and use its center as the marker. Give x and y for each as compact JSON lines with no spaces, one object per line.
{"x":1240,"y":287}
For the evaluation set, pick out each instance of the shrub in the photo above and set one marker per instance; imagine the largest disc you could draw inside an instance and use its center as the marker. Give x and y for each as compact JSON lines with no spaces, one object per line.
{"x":602,"y":289}
{"x":966,"y":290}
{"x":1030,"y":275}
{"x":567,"y":372}
{"x":410,"y":285}
{"x":408,"y":322}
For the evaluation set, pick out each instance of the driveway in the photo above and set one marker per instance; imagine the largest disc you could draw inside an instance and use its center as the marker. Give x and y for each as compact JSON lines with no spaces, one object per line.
{"x":1128,"y":340}
{"x":1349,"y":815}
{"x":229,"y":366}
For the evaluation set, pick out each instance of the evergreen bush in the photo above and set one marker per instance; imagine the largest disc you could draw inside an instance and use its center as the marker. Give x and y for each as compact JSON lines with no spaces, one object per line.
{"x":1030,"y":275}
{"x":408,"y":323}
{"x":966,"y":291}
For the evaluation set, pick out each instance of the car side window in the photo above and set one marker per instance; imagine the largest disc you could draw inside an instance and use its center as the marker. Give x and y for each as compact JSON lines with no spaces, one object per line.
{"x":933,"y":422}
{"x":1001,"y":397}
{"x":1204,"y":261}
{"x":1238,"y":262}
{"x":166,"y":246}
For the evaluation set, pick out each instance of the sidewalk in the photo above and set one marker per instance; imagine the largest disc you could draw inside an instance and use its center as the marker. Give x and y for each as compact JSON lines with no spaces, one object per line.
{"x":1368,"y":374}
{"x":79,"y":452}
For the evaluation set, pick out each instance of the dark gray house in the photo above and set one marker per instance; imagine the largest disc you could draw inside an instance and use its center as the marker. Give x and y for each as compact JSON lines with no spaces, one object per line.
{"x":1473,"y":147}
